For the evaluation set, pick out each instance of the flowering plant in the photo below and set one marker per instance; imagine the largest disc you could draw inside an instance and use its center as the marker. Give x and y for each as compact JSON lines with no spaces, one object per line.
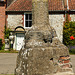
{"x":69,"y":34}
{"x":72,"y":38}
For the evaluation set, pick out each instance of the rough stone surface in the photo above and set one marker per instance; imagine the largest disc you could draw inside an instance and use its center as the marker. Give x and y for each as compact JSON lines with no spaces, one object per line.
{"x":57,"y":21}
{"x":42,"y":50}
{"x":65,"y":73}
{"x":14,"y":20}
{"x":72,"y":17}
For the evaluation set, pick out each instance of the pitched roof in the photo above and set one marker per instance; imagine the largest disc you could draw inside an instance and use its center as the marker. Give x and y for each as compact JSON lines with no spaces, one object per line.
{"x":9,"y":2}
{"x":26,"y":5}
{"x":56,"y":5}
{"x":71,"y":4}
{"x":20,"y":5}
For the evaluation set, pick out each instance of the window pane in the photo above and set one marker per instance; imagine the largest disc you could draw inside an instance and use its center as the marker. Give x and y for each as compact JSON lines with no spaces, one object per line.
{"x":26,"y":24}
{"x":30,"y":16}
{"x":26,"y":16}
{"x":30,"y":23}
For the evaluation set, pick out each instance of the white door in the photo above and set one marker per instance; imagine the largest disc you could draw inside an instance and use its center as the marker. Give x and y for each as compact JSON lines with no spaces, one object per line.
{"x":19,"y":40}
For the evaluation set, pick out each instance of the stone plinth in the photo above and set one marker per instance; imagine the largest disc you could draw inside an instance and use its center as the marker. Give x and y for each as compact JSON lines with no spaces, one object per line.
{"x":43,"y":53}
{"x":6,"y":44}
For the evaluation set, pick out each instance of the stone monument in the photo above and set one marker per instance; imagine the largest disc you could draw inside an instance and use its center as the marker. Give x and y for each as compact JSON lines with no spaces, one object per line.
{"x":42,"y":53}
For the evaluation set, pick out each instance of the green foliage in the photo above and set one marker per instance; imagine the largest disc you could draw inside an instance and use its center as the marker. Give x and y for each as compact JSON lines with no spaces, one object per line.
{"x":72,"y":51}
{"x":7,"y":30}
{"x":69,"y":30}
{"x":3,"y":46}
{"x":13,"y":51}
{"x":0,"y":44}
{"x":6,"y":74}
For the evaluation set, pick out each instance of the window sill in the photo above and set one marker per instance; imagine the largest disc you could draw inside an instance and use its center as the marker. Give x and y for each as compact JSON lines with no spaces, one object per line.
{"x":27,"y":27}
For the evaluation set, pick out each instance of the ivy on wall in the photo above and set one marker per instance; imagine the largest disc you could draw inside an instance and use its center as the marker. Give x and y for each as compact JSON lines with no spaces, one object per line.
{"x":6,"y":32}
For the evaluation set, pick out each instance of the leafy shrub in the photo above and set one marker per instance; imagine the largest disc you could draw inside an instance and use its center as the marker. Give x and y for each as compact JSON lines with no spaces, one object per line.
{"x":72,"y":51}
{"x":0,"y":44}
{"x":69,"y":30}
{"x":3,"y":46}
{"x":7,"y":30}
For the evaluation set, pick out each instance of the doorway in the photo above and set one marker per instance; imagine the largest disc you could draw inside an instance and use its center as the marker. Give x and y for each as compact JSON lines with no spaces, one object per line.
{"x":19,"y":40}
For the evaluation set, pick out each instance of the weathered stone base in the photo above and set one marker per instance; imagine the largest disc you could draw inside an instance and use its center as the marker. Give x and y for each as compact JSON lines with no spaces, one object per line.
{"x":43,"y":61}
{"x":43,"y":58}
{"x":64,"y":73}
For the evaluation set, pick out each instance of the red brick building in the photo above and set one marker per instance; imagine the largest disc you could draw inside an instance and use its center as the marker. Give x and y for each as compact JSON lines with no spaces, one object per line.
{"x":2,"y":18}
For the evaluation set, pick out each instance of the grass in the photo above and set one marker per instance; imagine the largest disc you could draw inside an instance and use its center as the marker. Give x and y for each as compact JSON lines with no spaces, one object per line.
{"x":6,"y":74}
{"x":11,"y":51}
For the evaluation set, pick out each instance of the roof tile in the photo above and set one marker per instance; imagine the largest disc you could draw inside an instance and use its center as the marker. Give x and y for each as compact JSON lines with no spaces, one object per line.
{"x":71,"y":4}
{"x":26,"y":5}
{"x":20,"y":5}
{"x":56,"y":5}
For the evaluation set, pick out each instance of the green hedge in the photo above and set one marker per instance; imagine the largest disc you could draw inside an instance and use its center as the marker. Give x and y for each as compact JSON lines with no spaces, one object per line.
{"x":0,"y":43}
{"x":72,"y":51}
{"x":69,"y":30}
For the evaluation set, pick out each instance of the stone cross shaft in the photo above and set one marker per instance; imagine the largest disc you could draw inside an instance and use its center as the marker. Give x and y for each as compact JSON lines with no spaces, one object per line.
{"x":40,"y":18}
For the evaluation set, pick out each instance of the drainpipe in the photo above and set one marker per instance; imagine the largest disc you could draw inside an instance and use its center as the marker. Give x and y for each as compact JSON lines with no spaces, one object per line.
{"x":66,"y":6}
{"x":65,"y":15}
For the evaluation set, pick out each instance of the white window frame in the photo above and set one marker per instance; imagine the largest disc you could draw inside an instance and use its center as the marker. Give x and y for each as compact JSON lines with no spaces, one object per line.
{"x":25,"y":21}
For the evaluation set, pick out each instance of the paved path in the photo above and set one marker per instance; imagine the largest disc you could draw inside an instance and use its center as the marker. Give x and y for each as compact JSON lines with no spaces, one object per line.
{"x":8,"y":62}
{"x":73,"y":62}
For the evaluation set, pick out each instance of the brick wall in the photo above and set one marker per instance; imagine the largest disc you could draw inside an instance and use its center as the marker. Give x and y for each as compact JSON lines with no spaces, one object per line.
{"x":65,"y":63}
{"x":71,"y":15}
{"x":2,"y":20}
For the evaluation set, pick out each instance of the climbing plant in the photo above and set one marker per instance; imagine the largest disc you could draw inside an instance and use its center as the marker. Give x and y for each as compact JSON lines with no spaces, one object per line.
{"x":6,"y":31}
